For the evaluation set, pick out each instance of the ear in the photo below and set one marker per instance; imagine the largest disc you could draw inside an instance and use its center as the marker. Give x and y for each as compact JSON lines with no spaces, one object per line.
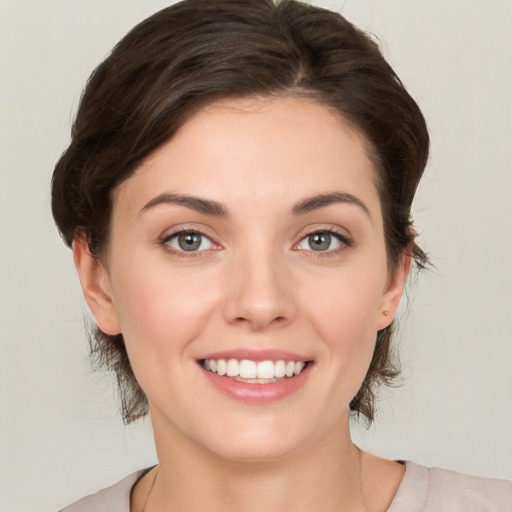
{"x":96,"y":286}
{"x":394,"y":290}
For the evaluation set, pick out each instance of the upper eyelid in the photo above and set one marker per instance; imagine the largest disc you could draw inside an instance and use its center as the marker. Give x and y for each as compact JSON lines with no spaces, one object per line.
{"x":172,"y":232}
{"x":335,"y":231}
{"x":165,"y":240}
{"x":330,"y":231}
{"x":339,"y":233}
{"x":180,"y":231}
{"x":336,"y":234}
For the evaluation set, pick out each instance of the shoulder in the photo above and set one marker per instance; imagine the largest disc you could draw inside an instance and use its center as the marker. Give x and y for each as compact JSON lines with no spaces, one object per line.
{"x":450,"y":488}
{"x":438,"y":490}
{"x":115,"y":498}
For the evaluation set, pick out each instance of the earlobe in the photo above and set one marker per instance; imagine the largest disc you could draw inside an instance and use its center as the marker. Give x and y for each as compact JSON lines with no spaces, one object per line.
{"x":96,"y":287}
{"x":393,"y":293}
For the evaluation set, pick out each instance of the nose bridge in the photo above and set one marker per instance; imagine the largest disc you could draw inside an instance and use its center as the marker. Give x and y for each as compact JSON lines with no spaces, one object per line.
{"x":259,"y":291}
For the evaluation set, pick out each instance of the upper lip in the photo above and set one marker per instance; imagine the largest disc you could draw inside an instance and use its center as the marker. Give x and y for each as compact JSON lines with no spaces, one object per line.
{"x":256,"y":355}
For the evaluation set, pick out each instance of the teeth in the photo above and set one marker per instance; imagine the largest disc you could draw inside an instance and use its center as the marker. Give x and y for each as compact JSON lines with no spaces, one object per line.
{"x":249,"y":371}
{"x":280,"y":369}
{"x":265,"y":370}
{"x":255,"y":381}
{"x":222,"y":367}
{"x":232,"y":369}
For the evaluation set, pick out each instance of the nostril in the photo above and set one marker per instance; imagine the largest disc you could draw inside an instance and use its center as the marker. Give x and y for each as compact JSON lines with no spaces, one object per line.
{"x":277,"y":319}
{"x":261,"y":323}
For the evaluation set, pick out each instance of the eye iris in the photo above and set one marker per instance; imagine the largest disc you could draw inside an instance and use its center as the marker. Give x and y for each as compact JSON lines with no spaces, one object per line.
{"x":189,"y":241}
{"x":319,"y":241}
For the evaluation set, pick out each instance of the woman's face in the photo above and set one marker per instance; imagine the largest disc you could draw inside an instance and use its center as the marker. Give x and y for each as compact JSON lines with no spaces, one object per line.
{"x":255,"y":234}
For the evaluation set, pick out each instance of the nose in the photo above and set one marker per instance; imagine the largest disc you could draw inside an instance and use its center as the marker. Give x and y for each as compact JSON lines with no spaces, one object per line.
{"x":260,"y":292}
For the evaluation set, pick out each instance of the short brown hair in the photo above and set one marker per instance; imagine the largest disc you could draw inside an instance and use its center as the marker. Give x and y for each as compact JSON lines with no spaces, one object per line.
{"x":197,"y":51}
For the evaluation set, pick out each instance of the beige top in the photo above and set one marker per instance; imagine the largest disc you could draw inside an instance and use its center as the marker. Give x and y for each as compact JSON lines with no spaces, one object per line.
{"x":422,"y":490}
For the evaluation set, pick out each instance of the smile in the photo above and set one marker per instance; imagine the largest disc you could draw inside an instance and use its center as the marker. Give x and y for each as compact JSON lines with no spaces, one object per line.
{"x":254,"y":372}
{"x":256,"y":377}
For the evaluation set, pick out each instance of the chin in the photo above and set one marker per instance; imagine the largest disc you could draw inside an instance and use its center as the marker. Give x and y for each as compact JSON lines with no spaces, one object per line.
{"x":257,"y":440}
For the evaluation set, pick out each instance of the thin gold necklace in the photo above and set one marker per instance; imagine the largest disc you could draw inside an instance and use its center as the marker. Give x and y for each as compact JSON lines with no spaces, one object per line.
{"x":150,"y":489}
{"x":360,"y":468}
{"x":359,"y":464}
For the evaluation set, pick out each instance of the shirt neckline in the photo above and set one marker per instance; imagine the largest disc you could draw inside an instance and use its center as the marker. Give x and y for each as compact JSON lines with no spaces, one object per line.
{"x":411,"y":494}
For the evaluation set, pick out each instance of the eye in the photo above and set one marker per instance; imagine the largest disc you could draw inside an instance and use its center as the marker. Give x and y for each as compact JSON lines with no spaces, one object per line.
{"x":322,"y":241}
{"x":189,"y":241}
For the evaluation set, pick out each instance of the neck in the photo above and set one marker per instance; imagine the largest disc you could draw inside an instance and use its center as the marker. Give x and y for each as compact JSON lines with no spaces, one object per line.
{"x":325,"y":476}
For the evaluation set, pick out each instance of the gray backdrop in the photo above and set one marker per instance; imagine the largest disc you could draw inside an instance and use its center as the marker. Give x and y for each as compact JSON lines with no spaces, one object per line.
{"x":61,"y":436}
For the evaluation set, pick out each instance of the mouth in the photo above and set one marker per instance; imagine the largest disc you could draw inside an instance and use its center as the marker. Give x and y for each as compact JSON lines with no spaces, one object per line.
{"x":256,"y":377}
{"x":255,"y":372}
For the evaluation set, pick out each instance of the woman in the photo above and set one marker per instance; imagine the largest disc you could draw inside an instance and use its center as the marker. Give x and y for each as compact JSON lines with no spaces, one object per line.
{"x":237,"y":195}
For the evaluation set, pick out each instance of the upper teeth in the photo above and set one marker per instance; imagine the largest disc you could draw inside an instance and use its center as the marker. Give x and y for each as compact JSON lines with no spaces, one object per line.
{"x":247,"y":369}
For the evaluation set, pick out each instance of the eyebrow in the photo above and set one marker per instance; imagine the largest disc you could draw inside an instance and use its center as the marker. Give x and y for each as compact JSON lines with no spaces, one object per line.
{"x":217,"y":209}
{"x":319,"y":201}
{"x":194,"y":203}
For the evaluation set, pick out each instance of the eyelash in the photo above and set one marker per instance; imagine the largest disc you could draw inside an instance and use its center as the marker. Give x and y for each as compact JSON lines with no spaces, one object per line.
{"x":183,"y":254}
{"x":345,"y":242}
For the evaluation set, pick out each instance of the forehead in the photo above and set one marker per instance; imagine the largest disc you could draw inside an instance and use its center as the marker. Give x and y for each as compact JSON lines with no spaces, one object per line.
{"x":257,"y":149}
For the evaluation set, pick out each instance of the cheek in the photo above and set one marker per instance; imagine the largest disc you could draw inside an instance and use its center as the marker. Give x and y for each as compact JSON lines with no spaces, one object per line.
{"x":348,"y":302}
{"x":345,"y":315}
{"x":160,"y":310}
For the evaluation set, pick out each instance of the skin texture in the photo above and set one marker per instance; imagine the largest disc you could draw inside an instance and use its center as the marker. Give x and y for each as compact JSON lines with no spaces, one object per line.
{"x":257,"y":284}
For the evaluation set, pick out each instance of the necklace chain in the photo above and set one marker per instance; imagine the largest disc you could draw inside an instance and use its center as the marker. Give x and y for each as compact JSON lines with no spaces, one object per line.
{"x":150,"y":489}
{"x":360,"y":467}
{"x":359,"y":464}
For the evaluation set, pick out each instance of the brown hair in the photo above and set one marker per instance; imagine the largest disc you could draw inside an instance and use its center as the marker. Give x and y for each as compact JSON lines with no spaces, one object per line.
{"x":197,"y":51}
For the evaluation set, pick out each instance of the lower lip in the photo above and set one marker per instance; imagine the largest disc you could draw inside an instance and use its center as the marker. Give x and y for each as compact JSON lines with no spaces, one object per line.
{"x":258,"y":393}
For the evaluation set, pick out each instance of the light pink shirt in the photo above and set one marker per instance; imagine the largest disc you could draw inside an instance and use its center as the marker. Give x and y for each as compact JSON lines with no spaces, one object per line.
{"x":422,"y":490}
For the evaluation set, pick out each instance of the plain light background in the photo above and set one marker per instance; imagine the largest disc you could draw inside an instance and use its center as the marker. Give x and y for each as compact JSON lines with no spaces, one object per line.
{"x":61,"y":436}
